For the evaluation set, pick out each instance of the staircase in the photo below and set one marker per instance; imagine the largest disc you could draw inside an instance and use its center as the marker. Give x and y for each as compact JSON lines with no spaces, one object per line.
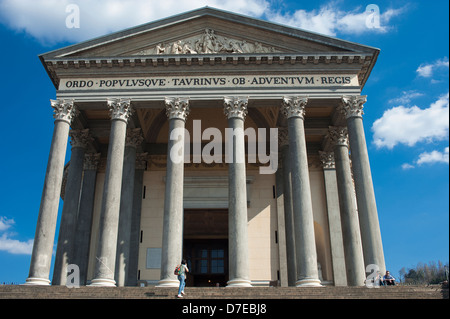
{"x":196,"y":293}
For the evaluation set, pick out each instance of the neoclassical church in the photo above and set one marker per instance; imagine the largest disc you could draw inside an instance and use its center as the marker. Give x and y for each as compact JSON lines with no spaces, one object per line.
{"x":235,"y":143}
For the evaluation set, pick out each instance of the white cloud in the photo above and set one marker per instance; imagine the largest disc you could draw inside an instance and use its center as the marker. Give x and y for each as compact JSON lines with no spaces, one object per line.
{"x":406,"y":97}
{"x":45,"y":20}
{"x":434,"y":157}
{"x":427,"y":70}
{"x":14,"y":246}
{"x":407,"y":166}
{"x":429,"y":158}
{"x":410,"y":125}
{"x":5,"y":223}
{"x":9,"y":244}
{"x":330,"y":20}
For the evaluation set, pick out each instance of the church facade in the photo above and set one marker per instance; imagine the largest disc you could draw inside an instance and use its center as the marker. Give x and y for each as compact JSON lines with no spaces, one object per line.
{"x":213,"y":137}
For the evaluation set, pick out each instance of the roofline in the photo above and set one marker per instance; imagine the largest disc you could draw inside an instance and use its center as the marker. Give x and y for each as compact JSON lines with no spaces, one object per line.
{"x":354,"y":48}
{"x":196,"y":13}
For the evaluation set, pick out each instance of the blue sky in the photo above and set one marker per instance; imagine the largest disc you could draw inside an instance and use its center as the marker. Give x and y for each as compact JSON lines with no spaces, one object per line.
{"x":406,"y":115}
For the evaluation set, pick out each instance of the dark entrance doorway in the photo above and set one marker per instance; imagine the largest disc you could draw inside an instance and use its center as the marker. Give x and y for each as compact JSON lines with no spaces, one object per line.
{"x":205,"y":246}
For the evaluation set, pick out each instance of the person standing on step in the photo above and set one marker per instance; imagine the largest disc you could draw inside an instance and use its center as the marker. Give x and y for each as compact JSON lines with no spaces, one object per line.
{"x":181,"y":271}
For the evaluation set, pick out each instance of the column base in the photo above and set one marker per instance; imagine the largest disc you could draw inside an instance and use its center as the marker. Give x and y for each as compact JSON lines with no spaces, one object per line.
{"x":167,"y":283}
{"x":37,"y":281}
{"x":308,"y":282}
{"x":102,"y":282}
{"x":239,"y":282}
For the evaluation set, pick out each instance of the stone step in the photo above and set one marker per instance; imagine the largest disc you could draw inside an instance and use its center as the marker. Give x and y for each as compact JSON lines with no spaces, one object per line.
{"x":62,"y":292}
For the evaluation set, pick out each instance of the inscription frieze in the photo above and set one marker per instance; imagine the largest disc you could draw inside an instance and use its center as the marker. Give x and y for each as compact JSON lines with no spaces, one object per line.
{"x":211,"y":82}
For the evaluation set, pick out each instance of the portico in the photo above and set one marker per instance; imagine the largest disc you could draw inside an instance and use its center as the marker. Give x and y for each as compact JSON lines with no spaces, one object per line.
{"x":135,"y":97}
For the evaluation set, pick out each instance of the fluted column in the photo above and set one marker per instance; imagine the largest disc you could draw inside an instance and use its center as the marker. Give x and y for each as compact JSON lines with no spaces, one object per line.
{"x":133,"y":140}
{"x":305,"y":245}
{"x":120,"y":110}
{"x":177,"y":109}
{"x":64,"y":252}
{"x":352,"y":108}
{"x":347,"y":202}
{"x":64,"y":111}
{"x":235,"y":109}
{"x":85,"y":214}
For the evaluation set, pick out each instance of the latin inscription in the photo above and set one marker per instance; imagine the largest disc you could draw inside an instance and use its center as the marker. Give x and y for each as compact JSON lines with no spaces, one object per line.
{"x":205,"y":82}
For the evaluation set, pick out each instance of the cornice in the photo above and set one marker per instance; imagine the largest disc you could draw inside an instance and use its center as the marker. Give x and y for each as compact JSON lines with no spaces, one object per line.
{"x":364,"y":60}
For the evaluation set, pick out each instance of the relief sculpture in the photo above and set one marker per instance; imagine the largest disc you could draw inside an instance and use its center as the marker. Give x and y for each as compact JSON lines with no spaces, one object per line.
{"x":207,"y":43}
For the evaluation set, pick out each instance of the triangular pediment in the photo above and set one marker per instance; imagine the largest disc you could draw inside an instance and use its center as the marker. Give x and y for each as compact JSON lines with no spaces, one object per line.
{"x":207,"y":31}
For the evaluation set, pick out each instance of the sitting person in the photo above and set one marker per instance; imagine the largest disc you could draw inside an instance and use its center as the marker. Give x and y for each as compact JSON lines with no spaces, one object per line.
{"x":378,"y":280}
{"x":388,"y":279}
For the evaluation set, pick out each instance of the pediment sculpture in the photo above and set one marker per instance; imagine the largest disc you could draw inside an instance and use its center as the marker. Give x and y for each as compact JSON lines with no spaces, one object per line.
{"x":207,"y":43}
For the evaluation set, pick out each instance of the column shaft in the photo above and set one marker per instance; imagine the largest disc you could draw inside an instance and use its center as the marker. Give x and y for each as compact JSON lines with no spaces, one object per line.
{"x":236,"y":110}
{"x":134,"y":138}
{"x":365,"y":195}
{"x":172,"y":242}
{"x":349,"y":217}
{"x":64,"y":251}
{"x":109,"y":216}
{"x":289,"y":217}
{"x":48,"y":211}
{"x":136,"y":219}
{"x":334,"y":218}
{"x":305,"y":245}
{"x":85,"y":214}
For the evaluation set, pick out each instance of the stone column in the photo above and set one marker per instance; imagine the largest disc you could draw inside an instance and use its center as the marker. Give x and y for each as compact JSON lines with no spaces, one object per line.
{"x":347,"y":202}
{"x":133,"y":140}
{"x":109,"y":216}
{"x":141,"y":166}
{"x":288,"y":215}
{"x":334,"y":218}
{"x":177,"y":109}
{"x":84,"y":221}
{"x":305,"y":244}
{"x":64,"y":111}
{"x":235,"y":109}
{"x":64,"y":251}
{"x":352,"y":108}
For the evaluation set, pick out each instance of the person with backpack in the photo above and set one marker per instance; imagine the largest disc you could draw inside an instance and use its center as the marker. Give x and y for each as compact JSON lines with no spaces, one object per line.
{"x":181,"y":271}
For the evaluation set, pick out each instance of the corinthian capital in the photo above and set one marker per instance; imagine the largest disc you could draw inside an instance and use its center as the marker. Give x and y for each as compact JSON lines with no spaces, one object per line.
{"x":80,"y":138}
{"x":120,"y":109}
{"x":235,"y":107}
{"x":177,"y":108}
{"x":134,"y":137}
{"x":327,"y":159}
{"x":91,"y":161}
{"x":352,"y":105}
{"x":294,"y":106}
{"x":338,"y":135}
{"x":63,"y":110}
